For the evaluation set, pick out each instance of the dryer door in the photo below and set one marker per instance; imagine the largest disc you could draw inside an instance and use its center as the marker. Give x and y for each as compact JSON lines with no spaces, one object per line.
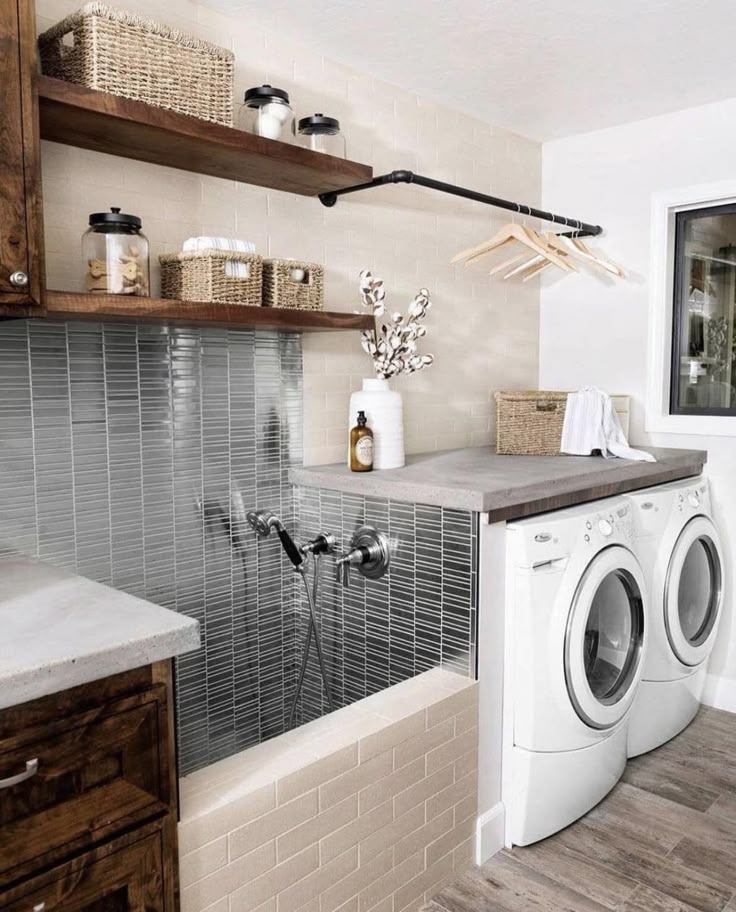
{"x":604,"y":639}
{"x":693,"y":591}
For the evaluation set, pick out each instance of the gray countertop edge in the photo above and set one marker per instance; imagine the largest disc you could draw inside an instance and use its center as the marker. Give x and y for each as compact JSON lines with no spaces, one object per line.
{"x":61,"y":630}
{"x":514,"y":501}
{"x":21,"y":687}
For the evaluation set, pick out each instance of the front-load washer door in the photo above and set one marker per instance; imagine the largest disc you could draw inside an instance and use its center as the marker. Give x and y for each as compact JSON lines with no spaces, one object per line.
{"x":693,"y":591}
{"x":604,"y":639}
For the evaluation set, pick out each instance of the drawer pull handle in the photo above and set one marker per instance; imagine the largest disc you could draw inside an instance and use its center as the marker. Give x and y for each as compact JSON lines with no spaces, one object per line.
{"x":39,"y":907}
{"x":31,"y":770}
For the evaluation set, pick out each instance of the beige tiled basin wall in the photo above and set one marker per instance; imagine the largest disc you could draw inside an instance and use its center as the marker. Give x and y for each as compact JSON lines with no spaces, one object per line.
{"x":370,"y":808}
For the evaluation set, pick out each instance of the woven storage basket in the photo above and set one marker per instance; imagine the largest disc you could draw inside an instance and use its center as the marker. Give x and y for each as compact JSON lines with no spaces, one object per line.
{"x":280,"y":290}
{"x":529,"y":422}
{"x":201,"y":276}
{"x":121,"y":53}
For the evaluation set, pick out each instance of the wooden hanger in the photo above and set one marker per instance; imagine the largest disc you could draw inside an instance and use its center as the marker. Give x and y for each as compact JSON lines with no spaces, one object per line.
{"x":535,"y":271}
{"x":556,"y":244}
{"x":581,"y":250}
{"x":541,"y":261}
{"x":500,"y":239}
{"x":510,"y":262}
{"x":538,"y":264}
{"x":532,"y":263}
{"x":507,"y":235}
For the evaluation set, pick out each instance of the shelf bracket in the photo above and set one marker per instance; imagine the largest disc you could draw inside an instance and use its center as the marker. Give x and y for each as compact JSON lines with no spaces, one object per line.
{"x":577,"y":228}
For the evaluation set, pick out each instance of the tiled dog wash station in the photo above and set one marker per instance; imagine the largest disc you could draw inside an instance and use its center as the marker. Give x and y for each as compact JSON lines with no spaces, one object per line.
{"x":355,"y":555}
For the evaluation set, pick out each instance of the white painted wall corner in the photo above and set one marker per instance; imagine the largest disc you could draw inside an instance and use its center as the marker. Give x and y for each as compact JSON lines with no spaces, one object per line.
{"x":490,"y":831}
{"x":720,"y":692}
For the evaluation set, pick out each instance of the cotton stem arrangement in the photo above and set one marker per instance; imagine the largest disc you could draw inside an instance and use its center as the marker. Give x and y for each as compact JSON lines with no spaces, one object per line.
{"x":393,"y":344}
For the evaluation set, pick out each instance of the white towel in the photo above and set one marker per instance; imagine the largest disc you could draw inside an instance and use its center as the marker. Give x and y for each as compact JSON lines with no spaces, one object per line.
{"x":233,"y":270}
{"x":592,"y":424}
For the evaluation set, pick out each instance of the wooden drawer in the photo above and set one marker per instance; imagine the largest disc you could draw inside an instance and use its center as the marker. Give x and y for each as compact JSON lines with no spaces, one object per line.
{"x":123,"y":876}
{"x":98,"y":772}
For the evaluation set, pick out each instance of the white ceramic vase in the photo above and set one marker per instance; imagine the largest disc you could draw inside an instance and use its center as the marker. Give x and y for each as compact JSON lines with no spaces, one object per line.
{"x":385,"y":416}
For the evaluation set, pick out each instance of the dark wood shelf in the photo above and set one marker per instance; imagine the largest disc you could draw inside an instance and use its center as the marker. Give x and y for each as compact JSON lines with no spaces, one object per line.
{"x":77,"y":116}
{"x":67,"y":305}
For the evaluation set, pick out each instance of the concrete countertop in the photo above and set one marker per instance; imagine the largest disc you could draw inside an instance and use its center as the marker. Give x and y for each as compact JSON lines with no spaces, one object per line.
{"x":58,"y":630}
{"x":505,"y":487}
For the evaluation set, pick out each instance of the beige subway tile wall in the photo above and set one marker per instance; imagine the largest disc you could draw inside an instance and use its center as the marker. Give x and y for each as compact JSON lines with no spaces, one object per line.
{"x":482,"y":331}
{"x":328,"y":819}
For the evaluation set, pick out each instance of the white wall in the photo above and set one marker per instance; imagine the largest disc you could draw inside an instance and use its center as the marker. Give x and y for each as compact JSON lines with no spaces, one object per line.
{"x":484,"y":334}
{"x":595,"y":331}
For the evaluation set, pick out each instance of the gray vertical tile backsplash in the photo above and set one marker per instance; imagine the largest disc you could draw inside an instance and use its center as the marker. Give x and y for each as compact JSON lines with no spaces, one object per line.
{"x":422,"y":614}
{"x":130,"y":453}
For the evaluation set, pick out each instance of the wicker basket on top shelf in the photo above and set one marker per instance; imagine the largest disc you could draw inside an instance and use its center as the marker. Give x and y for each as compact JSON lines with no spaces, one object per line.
{"x":529,"y":422}
{"x":293,"y":284}
{"x":212,"y":276}
{"x":119,"y":52}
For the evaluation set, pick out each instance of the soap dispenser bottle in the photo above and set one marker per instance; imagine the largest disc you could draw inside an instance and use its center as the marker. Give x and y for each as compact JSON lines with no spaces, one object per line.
{"x":361,"y":446}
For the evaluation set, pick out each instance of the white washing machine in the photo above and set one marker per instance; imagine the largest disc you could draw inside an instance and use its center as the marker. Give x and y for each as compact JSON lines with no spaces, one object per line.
{"x":575,"y":639}
{"x":680,"y":550}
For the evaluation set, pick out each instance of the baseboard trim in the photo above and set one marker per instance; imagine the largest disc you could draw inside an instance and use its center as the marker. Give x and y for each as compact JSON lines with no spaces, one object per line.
{"x":489,"y":833}
{"x":720,"y":693}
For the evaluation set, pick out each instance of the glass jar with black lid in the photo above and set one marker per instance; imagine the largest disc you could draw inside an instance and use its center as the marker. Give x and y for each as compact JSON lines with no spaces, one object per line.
{"x":115,"y":252}
{"x":266,"y":112}
{"x":322,"y":134}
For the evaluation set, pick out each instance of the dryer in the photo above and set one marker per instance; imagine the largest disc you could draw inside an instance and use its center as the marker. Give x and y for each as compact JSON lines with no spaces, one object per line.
{"x":680,"y":550}
{"x":575,"y":639}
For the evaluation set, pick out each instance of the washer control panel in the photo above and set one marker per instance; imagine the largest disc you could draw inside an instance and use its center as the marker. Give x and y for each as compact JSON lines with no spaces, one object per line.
{"x":691,"y":499}
{"x":604,"y":526}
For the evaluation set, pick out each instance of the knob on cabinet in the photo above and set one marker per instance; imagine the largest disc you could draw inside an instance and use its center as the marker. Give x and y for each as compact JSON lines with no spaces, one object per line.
{"x":19,"y":279}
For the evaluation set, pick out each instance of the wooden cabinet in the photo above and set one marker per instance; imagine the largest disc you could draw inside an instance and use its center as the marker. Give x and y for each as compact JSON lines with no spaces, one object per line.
{"x":124,"y":876}
{"x":21,"y":230}
{"x":79,"y":771}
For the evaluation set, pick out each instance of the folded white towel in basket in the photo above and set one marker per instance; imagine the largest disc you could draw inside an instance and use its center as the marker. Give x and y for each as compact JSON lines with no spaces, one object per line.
{"x":234,"y":270}
{"x":591,"y":423}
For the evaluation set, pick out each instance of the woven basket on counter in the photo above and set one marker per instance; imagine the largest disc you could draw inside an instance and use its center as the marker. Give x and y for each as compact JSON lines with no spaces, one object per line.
{"x":529,"y":422}
{"x":202,"y":275}
{"x":119,"y":52}
{"x":280,"y":289}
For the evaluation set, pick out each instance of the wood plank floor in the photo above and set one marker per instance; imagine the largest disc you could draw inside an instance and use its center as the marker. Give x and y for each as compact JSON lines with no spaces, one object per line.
{"x":664,"y":840}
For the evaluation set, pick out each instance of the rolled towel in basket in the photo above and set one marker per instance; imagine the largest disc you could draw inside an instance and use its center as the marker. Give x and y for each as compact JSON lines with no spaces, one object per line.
{"x":591,"y":423}
{"x":233,"y":270}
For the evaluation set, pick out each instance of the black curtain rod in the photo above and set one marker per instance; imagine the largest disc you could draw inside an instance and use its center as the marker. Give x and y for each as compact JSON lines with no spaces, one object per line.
{"x":579,"y":229}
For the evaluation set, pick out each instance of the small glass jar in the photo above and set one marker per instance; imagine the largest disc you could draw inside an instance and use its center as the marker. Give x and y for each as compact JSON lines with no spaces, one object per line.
{"x":322,"y":134}
{"x":115,"y":252}
{"x":266,"y":112}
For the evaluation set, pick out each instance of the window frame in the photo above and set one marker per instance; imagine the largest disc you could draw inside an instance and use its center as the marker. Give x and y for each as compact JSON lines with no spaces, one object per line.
{"x":665,"y":206}
{"x":678,"y":267}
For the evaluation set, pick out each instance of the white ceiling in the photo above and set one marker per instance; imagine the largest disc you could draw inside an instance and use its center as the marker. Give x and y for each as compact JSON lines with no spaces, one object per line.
{"x":544,"y":68}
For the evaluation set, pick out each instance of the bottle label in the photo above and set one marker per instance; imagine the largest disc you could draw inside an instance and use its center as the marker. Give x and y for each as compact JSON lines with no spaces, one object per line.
{"x":364,"y":451}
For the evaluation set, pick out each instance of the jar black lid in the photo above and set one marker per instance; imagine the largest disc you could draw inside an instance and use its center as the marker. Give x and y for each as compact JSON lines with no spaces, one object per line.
{"x":260,"y":95}
{"x":317,"y":124}
{"x":114,"y":217}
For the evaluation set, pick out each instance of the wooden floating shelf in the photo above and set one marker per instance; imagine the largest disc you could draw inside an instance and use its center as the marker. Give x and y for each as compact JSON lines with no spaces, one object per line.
{"x":67,"y":305}
{"x":77,"y":116}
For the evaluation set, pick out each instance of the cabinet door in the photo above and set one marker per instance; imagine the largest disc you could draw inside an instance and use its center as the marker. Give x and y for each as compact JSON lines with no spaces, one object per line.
{"x":90,"y":777}
{"x":127,"y":880}
{"x":21,"y":229}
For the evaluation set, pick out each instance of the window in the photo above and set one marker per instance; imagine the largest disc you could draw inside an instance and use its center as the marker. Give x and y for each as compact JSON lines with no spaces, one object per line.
{"x":703,"y":371}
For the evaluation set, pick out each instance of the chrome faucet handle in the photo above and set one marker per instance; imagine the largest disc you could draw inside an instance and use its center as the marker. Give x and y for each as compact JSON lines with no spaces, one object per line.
{"x":342,"y":572}
{"x":369,"y":552}
{"x":356,"y":556}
